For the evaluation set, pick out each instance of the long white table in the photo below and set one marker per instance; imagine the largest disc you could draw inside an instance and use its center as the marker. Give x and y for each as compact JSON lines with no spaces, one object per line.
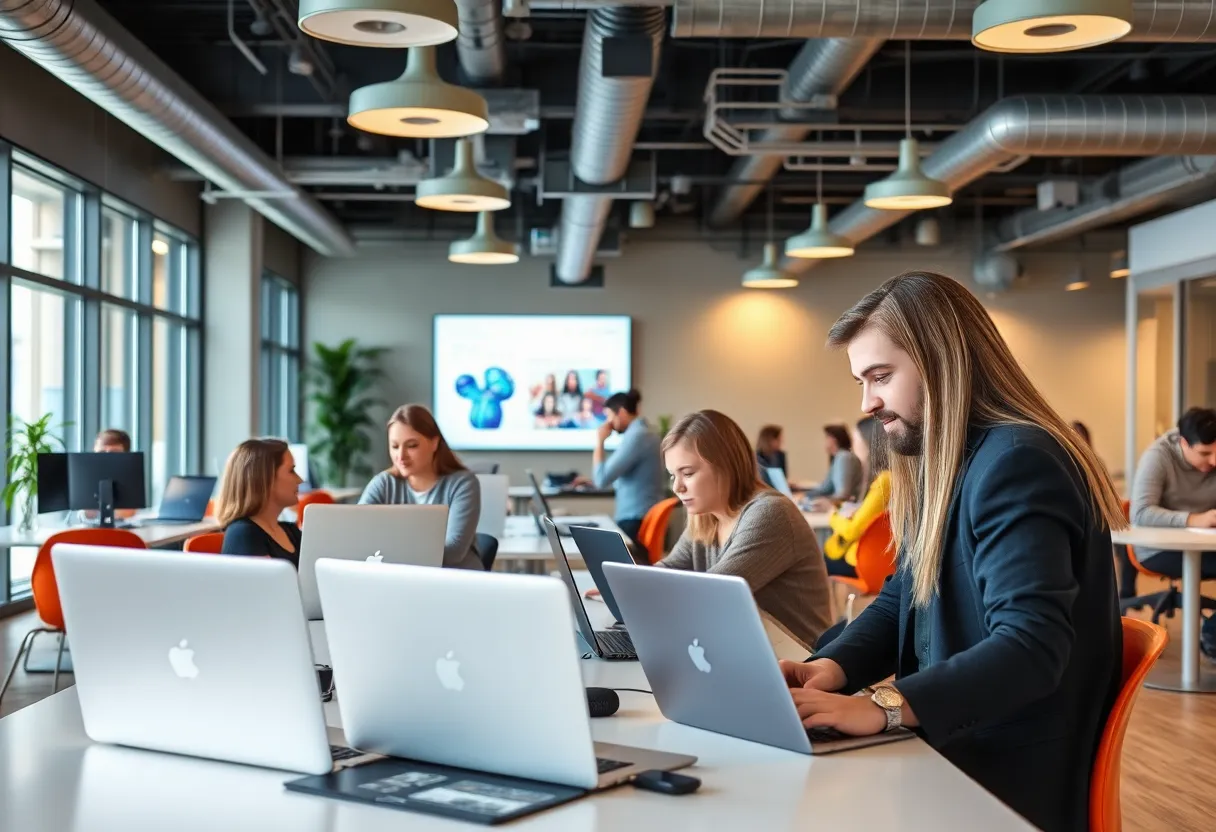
{"x":521,"y":494}
{"x":523,"y":542}
{"x":153,"y":534}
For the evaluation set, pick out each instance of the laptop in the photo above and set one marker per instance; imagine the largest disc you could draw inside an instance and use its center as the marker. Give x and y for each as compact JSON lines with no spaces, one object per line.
{"x":613,"y":645}
{"x":776,"y":478}
{"x":600,"y":546}
{"x":540,"y":510}
{"x":495,"y":491}
{"x":184,"y":501}
{"x":203,"y":656}
{"x":411,"y":534}
{"x":709,"y":662}
{"x":489,"y":680}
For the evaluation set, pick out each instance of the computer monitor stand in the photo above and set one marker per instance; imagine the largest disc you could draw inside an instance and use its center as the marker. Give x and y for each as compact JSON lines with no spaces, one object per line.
{"x":105,"y":504}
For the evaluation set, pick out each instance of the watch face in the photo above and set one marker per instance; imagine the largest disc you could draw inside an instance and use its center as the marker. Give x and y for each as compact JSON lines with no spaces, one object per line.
{"x":888,"y":698}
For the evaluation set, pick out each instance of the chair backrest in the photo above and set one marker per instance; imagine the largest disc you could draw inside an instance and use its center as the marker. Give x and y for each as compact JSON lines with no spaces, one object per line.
{"x":320,"y":496}
{"x":43,"y":585}
{"x":875,"y":554}
{"x":653,"y":534}
{"x":211,"y":543}
{"x":487,"y":548}
{"x":1143,"y":643}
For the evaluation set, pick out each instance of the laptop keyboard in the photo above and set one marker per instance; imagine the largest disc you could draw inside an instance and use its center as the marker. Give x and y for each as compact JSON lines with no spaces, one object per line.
{"x":615,"y":643}
{"x":604,"y":766}
{"x":824,"y":734}
{"x":340,"y":752}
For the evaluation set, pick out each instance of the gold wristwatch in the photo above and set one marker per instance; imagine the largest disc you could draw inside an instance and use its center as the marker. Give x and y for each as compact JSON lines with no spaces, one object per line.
{"x":891,"y":701}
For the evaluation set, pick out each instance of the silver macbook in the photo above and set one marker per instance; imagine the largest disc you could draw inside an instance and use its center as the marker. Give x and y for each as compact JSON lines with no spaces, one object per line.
{"x":411,"y":534}
{"x":206,"y":656}
{"x":484,"y":673}
{"x":495,"y":491}
{"x":709,"y":662}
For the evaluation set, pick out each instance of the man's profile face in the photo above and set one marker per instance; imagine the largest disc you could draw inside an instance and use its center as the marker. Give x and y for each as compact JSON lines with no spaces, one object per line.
{"x":1199,"y":456}
{"x":892,"y":390}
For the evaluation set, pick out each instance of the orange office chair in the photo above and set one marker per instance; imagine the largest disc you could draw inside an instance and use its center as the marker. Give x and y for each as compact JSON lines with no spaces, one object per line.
{"x":875,"y":562}
{"x":211,"y":543}
{"x":653,"y":534}
{"x":1143,"y":643}
{"x":1165,"y":602}
{"x":46,"y":591}
{"x":320,"y":496}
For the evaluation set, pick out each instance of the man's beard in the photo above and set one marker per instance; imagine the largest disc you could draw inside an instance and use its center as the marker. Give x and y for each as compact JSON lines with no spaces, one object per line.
{"x":909,"y":442}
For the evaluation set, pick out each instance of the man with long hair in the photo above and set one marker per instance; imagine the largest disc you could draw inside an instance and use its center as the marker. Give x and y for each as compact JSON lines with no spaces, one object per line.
{"x":1001,"y":623}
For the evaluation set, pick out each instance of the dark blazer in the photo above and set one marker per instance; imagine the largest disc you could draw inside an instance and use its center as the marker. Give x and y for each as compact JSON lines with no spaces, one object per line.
{"x":1025,"y":642}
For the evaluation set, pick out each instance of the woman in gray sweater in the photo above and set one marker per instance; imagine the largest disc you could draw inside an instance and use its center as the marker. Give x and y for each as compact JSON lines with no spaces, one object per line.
{"x":738,"y":526}
{"x":425,"y":471}
{"x":846,"y":478}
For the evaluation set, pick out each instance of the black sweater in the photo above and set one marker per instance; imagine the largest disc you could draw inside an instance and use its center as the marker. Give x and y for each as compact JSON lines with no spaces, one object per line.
{"x":245,"y":537}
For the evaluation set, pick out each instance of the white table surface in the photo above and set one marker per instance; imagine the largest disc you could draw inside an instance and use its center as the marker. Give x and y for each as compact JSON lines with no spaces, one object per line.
{"x":1194,"y":678}
{"x":522,"y":541}
{"x":817,"y":519}
{"x":152,"y":535}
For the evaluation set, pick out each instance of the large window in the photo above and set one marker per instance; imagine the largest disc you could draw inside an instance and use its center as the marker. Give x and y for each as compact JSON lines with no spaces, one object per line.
{"x":280,"y":358}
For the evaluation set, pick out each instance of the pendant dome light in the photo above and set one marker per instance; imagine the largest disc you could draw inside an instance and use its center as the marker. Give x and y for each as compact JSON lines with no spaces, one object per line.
{"x":818,"y":242}
{"x":392,"y":24}
{"x":419,"y":104}
{"x":1029,"y":26}
{"x":769,"y":274}
{"x":907,"y":189}
{"x":484,"y":248}
{"x":464,"y":189}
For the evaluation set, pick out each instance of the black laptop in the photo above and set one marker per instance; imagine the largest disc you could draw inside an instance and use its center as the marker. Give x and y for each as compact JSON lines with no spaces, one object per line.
{"x":540,"y":510}
{"x":600,"y":546}
{"x":607,"y":644}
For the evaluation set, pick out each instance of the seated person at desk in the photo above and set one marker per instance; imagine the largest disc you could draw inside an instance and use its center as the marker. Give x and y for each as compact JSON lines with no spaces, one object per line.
{"x":848,"y":527}
{"x":738,"y":526}
{"x":1002,"y":623}
{"x":425,"y":471}
{"x":768,"y":448}
{"x":844,"y":482}
{"x":259,"y":482}
{"x":111,"y":441}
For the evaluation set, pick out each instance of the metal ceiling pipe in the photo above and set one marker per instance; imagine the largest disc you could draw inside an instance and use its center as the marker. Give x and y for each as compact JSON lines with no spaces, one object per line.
{"x":85,"y":48}
{"x":1049,"y":125}
{"x":480,"y":46}
{"x":1136,"y":189}
{"x":1154,"y":20}
{"x":823,"y":67}
{"x":607,"y":118}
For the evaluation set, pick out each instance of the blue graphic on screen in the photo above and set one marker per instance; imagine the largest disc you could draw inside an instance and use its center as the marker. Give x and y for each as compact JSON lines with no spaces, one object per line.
{"x":486,"y":410}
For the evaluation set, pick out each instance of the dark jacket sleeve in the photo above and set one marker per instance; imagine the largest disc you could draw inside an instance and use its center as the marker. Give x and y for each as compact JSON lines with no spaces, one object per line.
{"x":245,"y":538}
{"x":868,"y":649}
{"x":1023,"y":507}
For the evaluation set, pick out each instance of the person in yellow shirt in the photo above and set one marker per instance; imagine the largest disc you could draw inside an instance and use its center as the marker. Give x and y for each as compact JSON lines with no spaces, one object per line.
{"x":849,"y":522}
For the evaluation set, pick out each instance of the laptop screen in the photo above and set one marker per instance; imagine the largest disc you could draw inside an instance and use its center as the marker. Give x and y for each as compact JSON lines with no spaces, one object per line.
{"x":563,"y":566}
{"x":186,"y":498}
{"x":777,"y":478}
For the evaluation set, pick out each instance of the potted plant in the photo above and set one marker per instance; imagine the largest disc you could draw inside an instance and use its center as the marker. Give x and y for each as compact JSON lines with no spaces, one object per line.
{"x":342,"y":378}
{"x":25,"y":441}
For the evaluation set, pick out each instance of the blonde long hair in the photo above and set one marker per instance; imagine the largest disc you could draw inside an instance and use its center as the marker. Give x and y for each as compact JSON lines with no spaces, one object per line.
{"x":248,"y":477}
{"x":969,"y":376}
{"x":723,"y":445}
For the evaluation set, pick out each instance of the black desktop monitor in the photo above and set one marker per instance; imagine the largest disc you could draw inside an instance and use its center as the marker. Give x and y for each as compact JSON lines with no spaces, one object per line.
{"x":52,"y":483}
{"x":106,"y":482}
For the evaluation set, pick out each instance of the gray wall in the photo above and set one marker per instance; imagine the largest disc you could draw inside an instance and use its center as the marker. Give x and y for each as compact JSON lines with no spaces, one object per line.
{"x":700,"y":340}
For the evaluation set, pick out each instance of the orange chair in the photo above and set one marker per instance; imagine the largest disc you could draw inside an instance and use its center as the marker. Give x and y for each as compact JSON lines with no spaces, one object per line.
{"x":46,"y":591}
{"x":211,"y":543}
{"x":1143,"y":643}
{"x":1165,"y":602}
{"x":320,"y":496}
{"x":653,"y":534}
{"x":875,"y":562}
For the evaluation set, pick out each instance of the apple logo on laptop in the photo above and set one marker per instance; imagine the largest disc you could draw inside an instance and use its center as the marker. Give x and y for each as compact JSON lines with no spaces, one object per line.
{"x":181,"y":659}
{"x":448,"y":671}
{"x":697,"y":653}
{"x":376,"y":558}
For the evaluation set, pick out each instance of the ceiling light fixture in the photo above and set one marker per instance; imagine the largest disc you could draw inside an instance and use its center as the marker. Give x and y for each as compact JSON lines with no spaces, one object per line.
{"x":160,"y":246}
{"x":392,"y":24}
{"x":907,"y":189}
{"x":1029,"y":26}
{"x":464,"y":189}
{"x":419,"y":104}
{"x":769,"y":274}
{"x":818,"y":242}
{"x":1076,"y":285}
{"x":484,"y":248}
{"x":1118,"y":265}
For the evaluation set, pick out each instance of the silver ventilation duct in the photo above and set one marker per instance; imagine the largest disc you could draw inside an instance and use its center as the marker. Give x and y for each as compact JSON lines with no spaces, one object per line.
{"x":1155,"y":20}
{"x":479,"y":46}
{"x":1052,"y":125}
{"x":1136,"y":189}
{"x":81,"y":45}
{"x":823,"y":67}
{"x":607,"y":118}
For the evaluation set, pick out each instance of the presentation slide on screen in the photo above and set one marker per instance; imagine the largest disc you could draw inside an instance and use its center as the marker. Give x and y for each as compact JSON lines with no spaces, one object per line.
{"x":528,"y":382}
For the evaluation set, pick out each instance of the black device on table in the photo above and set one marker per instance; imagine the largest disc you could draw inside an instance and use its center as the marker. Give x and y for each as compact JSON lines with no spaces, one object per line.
{"x":540,"y":509}
{"x":607,"y":644}
{"x":600,"y":546}
{"x":85,"y":481}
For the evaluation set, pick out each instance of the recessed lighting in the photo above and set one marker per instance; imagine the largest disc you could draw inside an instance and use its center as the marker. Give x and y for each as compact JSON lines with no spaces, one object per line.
{"x":1042,"y":26}
{"x":390,"y":24}
{"x":419,"y":104}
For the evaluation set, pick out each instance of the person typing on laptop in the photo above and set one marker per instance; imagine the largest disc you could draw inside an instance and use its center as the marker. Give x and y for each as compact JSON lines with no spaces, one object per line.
{"x":259,"y":482}
{"x":737,"y":526}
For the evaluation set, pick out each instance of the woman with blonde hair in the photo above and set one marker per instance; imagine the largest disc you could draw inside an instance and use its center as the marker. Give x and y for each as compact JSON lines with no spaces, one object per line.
{"x":425,"y":471}
{"x":738,"y":526}
{"x":260,"y":480}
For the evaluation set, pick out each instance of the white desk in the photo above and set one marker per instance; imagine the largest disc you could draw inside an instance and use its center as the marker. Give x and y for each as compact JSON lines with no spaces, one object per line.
{"x":521,"y":494}
{"x":1192,"y":543}
{"x":817,"y":520}
{"x":522,"y":541}
{"x":153,"y":535}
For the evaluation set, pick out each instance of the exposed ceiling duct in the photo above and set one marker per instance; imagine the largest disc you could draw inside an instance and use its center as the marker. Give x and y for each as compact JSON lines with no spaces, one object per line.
{"x":479,"y":46}
{"x":1136,"y":189}
{"x":607,"y":118}
{"x":823,"y":67}
{"x":1055,"y":125}
{"x":1154,"y":21}
{"x":81,"y":45}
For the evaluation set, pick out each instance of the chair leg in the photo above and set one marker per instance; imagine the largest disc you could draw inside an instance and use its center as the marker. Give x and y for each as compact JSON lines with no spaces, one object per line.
{"x":26,"y":643}
{"x":63,"y":640}
{"x":1167,"y":604}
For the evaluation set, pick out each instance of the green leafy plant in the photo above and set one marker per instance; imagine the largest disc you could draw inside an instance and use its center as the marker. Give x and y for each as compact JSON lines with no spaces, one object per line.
{"x":664,"y":424}
{"x":24,"y":442}
{"x":342,"y":378}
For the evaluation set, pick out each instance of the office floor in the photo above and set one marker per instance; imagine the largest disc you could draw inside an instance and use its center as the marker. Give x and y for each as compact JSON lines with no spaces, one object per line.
{"x":1169,"y":758}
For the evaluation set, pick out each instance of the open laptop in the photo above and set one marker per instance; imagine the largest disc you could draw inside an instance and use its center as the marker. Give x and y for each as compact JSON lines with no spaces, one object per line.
{"x":606,"y":644}
{"x":184,"y":501}
{"x":488,"y":678}
{"x":776,"y":478}
{"x":600,"y":546}
{"x":204,"y":656}
{"x":709,"y":662}
{"x":540,"y":510}
{"x":410,"y":534}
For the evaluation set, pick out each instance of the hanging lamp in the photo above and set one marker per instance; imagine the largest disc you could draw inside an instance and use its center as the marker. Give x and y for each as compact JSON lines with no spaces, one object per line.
{"x":464,"y":188}
{"x":392,"y":24}
{"x":419,"y":104}
{"x":818,"y":242}
{"x":1043,"y":26}
{"x":769,"y":274}
{"x":484,"y":248}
